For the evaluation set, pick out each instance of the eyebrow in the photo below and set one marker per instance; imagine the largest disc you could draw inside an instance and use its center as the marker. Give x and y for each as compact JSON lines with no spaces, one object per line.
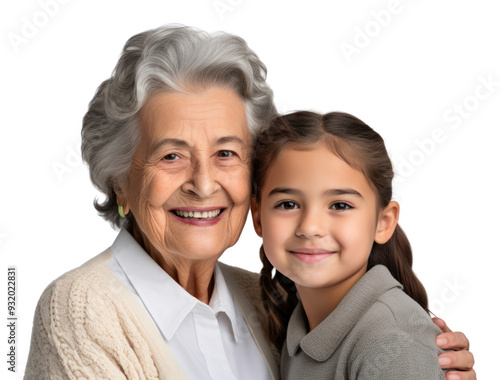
{"x":170,"y":141}
{"x":346,"y":191}
{"x":179,"y":143}
{"x":229,"y":139}
{"x":326,"y":193}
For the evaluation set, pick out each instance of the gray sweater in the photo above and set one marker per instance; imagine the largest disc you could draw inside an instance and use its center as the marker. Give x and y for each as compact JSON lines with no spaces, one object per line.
{"x":376,"y":332}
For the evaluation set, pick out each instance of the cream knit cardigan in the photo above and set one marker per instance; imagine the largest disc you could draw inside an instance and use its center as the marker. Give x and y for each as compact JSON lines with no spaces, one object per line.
{"x":88,"y":325}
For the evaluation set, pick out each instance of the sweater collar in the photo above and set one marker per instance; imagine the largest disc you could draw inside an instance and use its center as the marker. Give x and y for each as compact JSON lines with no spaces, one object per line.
{"x":167,"y":302}
{"x":322,"y":342}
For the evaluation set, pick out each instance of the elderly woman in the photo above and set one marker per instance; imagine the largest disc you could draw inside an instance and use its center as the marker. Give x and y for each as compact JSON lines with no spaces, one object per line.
{"x":168,"y":140}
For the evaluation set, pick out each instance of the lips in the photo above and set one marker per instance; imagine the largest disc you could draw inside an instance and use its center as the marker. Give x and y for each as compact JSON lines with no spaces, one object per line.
{"x":311,"y":255}
{"x":198,"y":214}
{"x":202,"y":217}
{"x":311,"y":251}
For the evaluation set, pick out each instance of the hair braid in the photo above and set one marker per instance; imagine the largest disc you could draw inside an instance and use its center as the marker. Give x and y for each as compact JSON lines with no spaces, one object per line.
{"x":279,"y":298}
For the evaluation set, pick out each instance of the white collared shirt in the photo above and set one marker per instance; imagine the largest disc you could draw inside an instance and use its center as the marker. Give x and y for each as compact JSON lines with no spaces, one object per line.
{"x":209,"y":341}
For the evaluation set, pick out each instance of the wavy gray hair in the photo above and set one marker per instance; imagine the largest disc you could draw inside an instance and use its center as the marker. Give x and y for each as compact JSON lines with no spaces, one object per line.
{"x":171,"y":58}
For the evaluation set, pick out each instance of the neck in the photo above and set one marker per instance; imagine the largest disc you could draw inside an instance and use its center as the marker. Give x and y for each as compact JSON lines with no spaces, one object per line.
{"x":194,"y":276}
{"x":320,"y":302}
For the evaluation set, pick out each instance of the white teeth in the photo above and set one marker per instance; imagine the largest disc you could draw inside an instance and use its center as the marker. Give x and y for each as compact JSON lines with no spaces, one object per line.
{"x":197,"y":214}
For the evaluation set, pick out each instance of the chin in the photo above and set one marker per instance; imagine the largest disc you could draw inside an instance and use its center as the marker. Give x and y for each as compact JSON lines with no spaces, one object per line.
{"x":203,"y":251}
{"x":313,"y":284}
{"x":313,"y":281}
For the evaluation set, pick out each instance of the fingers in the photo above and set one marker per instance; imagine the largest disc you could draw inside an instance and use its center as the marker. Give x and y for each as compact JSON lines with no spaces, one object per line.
{"x":441,"y":324}
{"x":452,"y":341}
{"x":455,"y":375}
{"x":461,"y":360}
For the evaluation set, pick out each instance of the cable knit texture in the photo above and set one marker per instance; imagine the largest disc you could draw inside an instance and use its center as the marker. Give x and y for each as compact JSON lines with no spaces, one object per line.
{"x":87,"y":325}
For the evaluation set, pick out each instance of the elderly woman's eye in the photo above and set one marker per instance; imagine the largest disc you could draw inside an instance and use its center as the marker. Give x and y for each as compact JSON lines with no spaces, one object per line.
{"x":171,"y":157}
{"x":287,"y":205}
{"x":225,"y":153}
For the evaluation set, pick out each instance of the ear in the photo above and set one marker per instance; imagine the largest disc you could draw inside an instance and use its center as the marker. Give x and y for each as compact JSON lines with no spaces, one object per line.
{"x":121,"y":197}
{"x":387,"y":222}
{"x":256,"y":216}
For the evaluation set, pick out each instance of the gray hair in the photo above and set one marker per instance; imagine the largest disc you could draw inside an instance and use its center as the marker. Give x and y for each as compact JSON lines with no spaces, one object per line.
{"x":171,"y":58}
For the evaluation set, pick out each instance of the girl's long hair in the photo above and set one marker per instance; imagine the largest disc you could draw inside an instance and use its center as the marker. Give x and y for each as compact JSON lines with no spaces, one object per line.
{"x":363,"y":149}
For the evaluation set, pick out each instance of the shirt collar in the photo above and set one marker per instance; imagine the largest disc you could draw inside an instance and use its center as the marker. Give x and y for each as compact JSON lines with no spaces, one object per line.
{"x":321,"y":342}
{"x":222,"y":301}
{"x":157,"y":289}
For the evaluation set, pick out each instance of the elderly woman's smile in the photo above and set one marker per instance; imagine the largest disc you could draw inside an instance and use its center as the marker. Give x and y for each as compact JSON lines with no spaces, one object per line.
{"x":199,"y":216}
{"x":188,"y":186}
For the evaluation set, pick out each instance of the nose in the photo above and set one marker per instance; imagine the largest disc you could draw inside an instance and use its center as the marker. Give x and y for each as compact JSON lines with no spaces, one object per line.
{"x":311,"y":225}
{"x":202,"y":181}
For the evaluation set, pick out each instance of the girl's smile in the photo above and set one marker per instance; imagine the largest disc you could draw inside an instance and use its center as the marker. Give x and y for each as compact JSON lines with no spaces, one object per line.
{"x":311,"y":255}
{"x":317,"y":217}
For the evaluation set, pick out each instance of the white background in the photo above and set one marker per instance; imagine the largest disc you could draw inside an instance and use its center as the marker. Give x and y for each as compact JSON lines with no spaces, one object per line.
{"x":403,"y":78}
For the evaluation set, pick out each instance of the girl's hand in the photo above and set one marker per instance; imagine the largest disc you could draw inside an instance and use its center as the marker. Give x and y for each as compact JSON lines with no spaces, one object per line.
{"x":460,"y":359}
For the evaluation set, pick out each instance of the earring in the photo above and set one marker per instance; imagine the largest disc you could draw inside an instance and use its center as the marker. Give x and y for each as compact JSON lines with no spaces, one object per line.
{"x":120,"y":211}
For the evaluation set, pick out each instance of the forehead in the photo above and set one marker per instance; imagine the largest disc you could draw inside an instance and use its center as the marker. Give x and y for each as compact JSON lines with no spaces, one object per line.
{"x":314,"y":171}
{"x":214,"y":112}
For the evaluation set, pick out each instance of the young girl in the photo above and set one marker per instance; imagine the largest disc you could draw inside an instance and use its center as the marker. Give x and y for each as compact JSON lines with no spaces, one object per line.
{"x":322,"y":187}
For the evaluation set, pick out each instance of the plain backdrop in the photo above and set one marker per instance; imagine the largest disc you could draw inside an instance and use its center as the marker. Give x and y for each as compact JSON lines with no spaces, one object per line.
{"x":424,"y":74}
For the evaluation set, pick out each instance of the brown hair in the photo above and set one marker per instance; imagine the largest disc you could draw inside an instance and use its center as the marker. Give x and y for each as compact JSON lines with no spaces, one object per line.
{"x":363,"y":149}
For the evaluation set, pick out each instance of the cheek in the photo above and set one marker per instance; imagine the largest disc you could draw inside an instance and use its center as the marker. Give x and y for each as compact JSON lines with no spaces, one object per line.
{"x":275,"y":233}
{"x":157,"y":190}
{"x":152,"y":189}
{"x":237,"y":185}
{"x":356,"y":234}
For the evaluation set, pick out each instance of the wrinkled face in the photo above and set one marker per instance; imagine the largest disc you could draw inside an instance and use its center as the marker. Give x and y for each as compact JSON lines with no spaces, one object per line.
{"x":189,"y":184}
{"x":317,"y":217}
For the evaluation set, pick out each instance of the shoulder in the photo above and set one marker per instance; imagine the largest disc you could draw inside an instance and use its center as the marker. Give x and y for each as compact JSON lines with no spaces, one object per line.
{"x":242,"y":283}
{"x":409,"y":316}
{"x":89,"y":324}
{"x":396,"y":336}
{"x":70,"y":284}
{"x":395,"y":355}
{"x":388,"y":310}
{"x":72,"y":299}
{"x":244,"y":277}
{"x":396,"y":314}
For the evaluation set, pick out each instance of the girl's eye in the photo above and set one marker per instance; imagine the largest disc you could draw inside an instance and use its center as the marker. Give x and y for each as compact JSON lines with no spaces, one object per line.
{"x":287,"y":205}
{"x":340,"y":206}
{"x":171,"y":157}
{"x":225,"y":153}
